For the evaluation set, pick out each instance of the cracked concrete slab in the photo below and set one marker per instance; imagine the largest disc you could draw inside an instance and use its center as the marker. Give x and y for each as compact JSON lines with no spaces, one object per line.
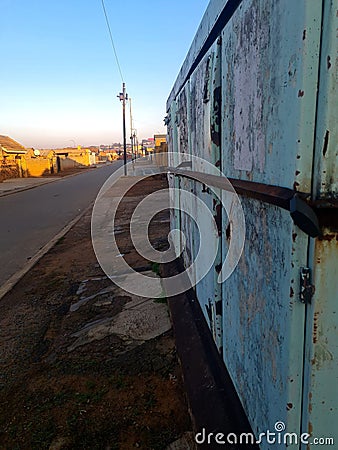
{"x":140,"y":320}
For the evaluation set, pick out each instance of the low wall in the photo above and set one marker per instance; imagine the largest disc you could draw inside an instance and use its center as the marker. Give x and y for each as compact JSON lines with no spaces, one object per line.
{"x":67,"y":163}
{"x":39,"y":167}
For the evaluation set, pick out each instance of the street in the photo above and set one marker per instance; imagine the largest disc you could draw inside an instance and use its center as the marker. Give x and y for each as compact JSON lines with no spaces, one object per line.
{"x":29,"y":219}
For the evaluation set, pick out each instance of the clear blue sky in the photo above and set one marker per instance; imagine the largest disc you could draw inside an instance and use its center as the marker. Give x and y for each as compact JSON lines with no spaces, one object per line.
{"x":59,"y":78}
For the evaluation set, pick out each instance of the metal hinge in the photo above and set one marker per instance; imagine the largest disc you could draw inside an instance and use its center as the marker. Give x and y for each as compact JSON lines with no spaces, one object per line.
{"x":306,"y":288}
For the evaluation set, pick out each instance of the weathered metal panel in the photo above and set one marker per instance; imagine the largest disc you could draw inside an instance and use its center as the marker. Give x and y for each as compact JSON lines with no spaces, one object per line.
{"x":172,"y":181}
{"x":204,"y":128}
{"x":199,"y":119}
{"x":326,"y":154}
{"x":270,"y":66}
{"x":321,"y":372}
{"x":263,"y":319}
{"x":258,"y":104}
{"x":320,"y":409}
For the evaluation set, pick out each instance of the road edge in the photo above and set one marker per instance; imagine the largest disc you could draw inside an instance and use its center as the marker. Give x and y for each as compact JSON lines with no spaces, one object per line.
{"x":16,"y":277}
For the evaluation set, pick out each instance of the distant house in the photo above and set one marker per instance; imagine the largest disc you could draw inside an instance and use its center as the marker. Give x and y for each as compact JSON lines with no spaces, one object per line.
{"x":68,"y":158}
{"x":159,"y":138}
{"x":40,"y":162}
{"x":147,"y":146}
{"x":161,"y":149}
{"x":12,"y":163}
{"x":107,"y":156}
{"x":18,"y":161}
{"x":94,"y":149}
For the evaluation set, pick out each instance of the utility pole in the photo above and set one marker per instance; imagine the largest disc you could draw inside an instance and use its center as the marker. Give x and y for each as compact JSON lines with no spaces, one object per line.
{"x":123,"y":96}
{"x":134,"y":140}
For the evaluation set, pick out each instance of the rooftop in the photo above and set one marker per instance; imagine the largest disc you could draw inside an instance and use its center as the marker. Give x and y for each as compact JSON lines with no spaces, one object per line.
{"x":10,"y":145}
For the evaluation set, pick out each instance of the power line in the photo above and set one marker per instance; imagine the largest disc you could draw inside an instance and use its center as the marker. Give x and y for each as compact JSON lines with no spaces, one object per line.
{"x":112,"y":40}
{"x":123,"y":96}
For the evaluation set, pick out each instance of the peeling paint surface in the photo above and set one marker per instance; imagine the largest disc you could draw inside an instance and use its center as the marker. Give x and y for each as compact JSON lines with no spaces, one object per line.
{"x":260,"y":320}
{"x":322,"y":339}
{"x":321,"y":357}
{"x":206,"y":138}
{"x":261,"y":105}
{"x":249,"y":128}
{"x":266,"y":63}
{"x":326,"y":155}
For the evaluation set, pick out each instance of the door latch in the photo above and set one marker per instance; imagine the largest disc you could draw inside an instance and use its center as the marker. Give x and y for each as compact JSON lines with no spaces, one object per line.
{"x":307,"y":289}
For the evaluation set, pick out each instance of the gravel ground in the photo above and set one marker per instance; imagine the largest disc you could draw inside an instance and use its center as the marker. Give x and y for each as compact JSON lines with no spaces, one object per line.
{"x":69,"y":377}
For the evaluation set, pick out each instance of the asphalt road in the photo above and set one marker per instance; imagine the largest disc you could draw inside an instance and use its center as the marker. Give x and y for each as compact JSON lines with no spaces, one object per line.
{"x":29,"y":219}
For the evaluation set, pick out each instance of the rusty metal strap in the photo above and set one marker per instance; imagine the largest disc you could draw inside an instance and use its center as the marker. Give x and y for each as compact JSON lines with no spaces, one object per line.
{"x":302,"y":213}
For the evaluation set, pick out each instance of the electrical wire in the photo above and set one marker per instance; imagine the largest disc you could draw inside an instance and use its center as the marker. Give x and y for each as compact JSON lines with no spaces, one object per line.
{"x":112,"y":40}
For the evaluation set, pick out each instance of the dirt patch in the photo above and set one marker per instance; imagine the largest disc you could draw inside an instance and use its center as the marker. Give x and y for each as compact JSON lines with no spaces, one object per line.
{"x":115,"y":389}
